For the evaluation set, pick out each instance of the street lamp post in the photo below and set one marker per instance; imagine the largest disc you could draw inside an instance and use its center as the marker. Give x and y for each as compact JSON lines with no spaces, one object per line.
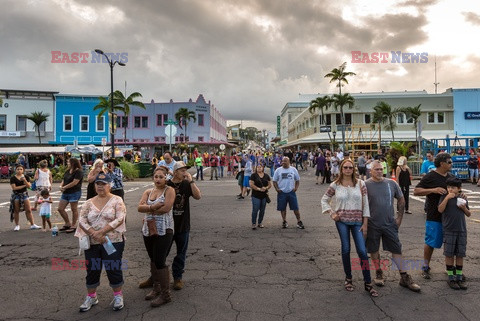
{"x":334,"y":133}
{"x":112,"y":64}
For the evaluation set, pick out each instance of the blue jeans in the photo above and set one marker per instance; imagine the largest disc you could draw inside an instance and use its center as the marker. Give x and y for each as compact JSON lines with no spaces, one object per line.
{"x":178,"y":265}
{"x":344,"y":231}
{"x":221,"y":171}
{"x":258,"y":206}
{"x":272,"y":171}
{"x":199,"y":172}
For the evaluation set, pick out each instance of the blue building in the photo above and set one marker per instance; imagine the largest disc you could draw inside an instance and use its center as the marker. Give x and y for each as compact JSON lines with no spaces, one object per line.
{"x":76,"y":121}
{"x":466,"y":104}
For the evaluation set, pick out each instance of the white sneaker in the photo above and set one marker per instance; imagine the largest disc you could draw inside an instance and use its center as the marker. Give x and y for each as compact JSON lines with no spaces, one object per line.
{"x":117,"y":302}
{"x":17,"y":228}
{"x":88,"y":304}
{"x":34,"y":227}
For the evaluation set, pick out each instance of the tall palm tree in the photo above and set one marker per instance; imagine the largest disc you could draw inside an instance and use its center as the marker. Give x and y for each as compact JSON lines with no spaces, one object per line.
{"x":339,"y":74}
{"x":104,"y":106}
{"x":387,"y":115}
{"x":415,"y":113}
{"x":183,"y":115}
{"x":1,"y":101}
{"x":322,"y":103}
{"x":339,"y":101}
{"x":38,"y":117}
{"x":124,"y":103}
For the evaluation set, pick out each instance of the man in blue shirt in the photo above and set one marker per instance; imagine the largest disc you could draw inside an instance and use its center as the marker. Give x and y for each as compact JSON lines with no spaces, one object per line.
{"x":427,"y":164}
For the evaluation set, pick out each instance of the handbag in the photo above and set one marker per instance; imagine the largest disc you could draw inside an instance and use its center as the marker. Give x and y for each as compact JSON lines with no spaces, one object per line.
{"x":83,"y":243}
{"x":268,"y":200}
{"x":33,"y":186}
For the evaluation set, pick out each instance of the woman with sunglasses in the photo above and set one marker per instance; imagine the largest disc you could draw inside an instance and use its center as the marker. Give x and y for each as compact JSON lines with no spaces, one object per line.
{"x":350,"y":213}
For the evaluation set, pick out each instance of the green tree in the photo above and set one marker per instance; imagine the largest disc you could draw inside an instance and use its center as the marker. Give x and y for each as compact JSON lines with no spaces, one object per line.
{"x":339,"y":74}
{"x":124,"y":104}
{"x":104,"y":106}
{"x":385,"y":114}
{"x":38,"y":117}
{"x":414,"y":113}
{"x":184,"y":115}
{"x":339,"y":101}
{"x":322,"y":103}
{"x":1,"y":101}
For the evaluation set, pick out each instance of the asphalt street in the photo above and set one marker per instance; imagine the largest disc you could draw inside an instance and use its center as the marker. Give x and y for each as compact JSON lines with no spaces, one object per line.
{"x":234,"y":272}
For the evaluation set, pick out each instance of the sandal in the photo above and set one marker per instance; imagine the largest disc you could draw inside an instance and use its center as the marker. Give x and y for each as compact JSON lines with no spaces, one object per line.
{"x":65,"y":227}
{"x":70,"y":230}
{"x":369,"y":288}
{"x":348,"y":285}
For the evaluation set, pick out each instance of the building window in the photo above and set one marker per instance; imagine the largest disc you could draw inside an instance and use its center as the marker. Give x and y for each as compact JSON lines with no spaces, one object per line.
{"x":21,"y":123}
{"x":338,"y":119}
{"x":140,"y":122}
{"x":402,"y":118}
{"x":348,"y":119}
{"x":328,"y":119}
{"x":121,"y":121}
{"x":200,"y":138}
{"x":100,"y":124}
{"x":367,"y":118}
{"x":67,"y":123}
{"x":201,"y":121}
{"x":436,"y":118}
{"x":161,"y":119}
{"x":83,"y":123}
{"x":3,"y":122}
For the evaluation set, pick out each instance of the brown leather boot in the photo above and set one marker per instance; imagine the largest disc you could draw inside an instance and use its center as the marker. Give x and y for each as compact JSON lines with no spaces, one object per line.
{"x":156,"y":284}
{"x":148,"y":283}
{"x":164,"y":296}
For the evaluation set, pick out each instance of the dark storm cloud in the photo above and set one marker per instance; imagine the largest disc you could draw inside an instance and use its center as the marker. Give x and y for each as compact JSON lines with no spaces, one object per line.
{"x":248,"y":57}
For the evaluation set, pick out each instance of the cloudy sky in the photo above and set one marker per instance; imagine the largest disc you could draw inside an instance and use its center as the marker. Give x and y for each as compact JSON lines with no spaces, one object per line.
{"x":248,"y":57}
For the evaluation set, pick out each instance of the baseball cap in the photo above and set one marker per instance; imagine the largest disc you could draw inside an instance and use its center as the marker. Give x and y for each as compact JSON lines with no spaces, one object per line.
{"x":104,"y":178}
{"x":180,"y":164}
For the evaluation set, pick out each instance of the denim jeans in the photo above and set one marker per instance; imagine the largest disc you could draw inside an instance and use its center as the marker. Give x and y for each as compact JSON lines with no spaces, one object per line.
{"x":258,"y":205}
{"x":272,"y":171}
{"x":199,"y":172}
{"x":221,"y":171}
{"x":344,"y":231}
{"x":178,"y":265}
{"x":98,"y":258}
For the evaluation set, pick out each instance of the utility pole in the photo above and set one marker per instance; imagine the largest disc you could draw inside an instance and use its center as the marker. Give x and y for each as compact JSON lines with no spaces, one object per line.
{"x":436,"y":83}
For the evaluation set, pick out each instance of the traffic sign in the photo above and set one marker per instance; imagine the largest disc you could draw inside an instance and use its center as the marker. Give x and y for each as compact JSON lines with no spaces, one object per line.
{"x":170,"y":130}
{"x":104,"y":141}
{"x":222,"y":147}
{"x":171,"y":122}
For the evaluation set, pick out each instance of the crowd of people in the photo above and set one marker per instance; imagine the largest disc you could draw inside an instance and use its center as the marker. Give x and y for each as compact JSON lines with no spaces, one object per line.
{"x":360,"y":199}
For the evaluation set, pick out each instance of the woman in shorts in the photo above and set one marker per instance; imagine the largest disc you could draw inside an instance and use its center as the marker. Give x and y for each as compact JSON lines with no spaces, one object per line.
{"x":71,"y":187}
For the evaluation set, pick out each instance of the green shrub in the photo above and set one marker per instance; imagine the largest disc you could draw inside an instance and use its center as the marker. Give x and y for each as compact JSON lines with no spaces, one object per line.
{"x":129,"y":170}
{"x":191,"y":163}
{"x":58,"y":172}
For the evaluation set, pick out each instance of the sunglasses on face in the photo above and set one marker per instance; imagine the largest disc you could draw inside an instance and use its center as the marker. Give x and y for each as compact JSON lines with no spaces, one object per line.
{"x":347,"y":167}
{"x":449,"y":162}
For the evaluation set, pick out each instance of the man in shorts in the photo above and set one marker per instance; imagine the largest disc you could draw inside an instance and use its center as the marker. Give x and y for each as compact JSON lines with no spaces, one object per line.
{"x":286,"y":181}
{"x":382,"y":224}
{"x":433,"y":185}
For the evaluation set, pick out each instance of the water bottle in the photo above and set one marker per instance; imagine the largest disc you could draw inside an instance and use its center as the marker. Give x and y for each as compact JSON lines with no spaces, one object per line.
{"x":55,"y":231}
{"x":108,"y":245}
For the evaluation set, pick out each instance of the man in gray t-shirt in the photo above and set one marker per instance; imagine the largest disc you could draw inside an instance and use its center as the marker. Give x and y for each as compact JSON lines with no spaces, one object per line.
{"x":383,"y":225}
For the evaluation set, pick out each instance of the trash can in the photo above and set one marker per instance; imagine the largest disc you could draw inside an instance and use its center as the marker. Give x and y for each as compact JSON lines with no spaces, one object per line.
{"x":144,"y":168}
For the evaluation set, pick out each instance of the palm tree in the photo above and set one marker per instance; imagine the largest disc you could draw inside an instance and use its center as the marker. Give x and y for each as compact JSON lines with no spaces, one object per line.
{"x":384,"y":113}
{"x":38,"y":117}
{"x":415,"y":113}
{"x":339,"y":74}
{"x":184,"y":115}
{"x":339,"y":101}
{"x":104,"y":106}
{"x":322,"y":103}
{"x":124,"y":103}
{"x":1,"y":101}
